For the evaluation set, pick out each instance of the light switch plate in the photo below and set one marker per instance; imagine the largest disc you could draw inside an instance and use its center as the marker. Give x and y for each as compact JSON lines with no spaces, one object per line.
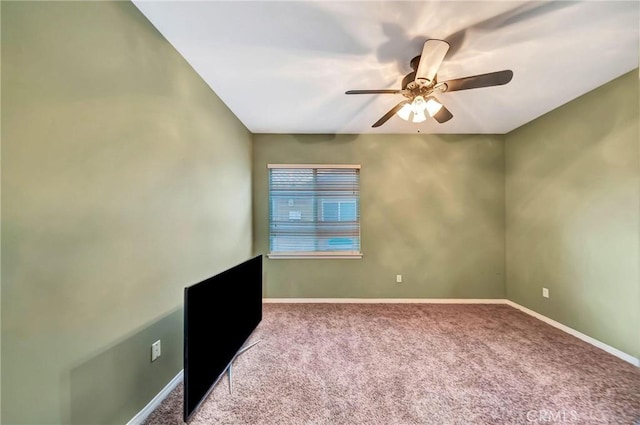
{"x":155,"y":350}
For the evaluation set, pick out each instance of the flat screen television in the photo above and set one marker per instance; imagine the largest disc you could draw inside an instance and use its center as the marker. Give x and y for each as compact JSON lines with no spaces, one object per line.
{"x":220,"y":313}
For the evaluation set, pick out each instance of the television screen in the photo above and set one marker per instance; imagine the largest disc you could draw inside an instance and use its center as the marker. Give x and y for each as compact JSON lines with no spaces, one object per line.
{"x":219,"y":315}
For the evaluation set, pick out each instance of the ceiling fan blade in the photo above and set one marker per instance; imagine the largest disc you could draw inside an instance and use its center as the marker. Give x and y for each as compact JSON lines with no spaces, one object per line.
{"x":476,"y":81}
{"x":372,"y":92}
{"x":433,"y":54}
{"x":443,"y":115}
{"x":389,"y":114}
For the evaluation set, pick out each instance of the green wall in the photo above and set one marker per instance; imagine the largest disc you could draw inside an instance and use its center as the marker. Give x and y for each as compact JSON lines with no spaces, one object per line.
{"x":573,"y":214}
{"x":124,"y":179}
{"x":432,"y":210}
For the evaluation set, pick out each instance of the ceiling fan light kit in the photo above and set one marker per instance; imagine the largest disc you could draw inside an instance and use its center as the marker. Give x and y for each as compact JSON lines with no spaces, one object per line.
{"x":420,"y":85}
{"x":418,"y":107}
{"x":432,"y":106}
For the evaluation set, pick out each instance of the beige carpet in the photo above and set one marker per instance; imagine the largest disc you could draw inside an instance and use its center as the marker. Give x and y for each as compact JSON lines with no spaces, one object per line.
{"x":416,"y":364}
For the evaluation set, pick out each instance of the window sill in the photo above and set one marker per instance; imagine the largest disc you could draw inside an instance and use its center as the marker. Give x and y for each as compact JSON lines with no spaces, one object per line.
{"x":314,"y":256}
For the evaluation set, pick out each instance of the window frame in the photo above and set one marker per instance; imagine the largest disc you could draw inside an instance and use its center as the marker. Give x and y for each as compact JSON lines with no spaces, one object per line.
{"x":314,"y":254}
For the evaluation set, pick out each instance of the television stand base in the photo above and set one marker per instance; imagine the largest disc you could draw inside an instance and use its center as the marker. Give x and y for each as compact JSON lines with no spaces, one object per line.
{"x":229,"y":368}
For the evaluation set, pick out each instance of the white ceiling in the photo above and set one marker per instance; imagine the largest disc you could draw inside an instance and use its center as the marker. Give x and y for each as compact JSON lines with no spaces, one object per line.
{"x":283,"y":67}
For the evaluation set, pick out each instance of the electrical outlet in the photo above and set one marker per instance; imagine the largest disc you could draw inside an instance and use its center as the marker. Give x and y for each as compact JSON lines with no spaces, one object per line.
{"x":398,"y":278}
{"x":545,"y":292}
{"x":155,"y":350}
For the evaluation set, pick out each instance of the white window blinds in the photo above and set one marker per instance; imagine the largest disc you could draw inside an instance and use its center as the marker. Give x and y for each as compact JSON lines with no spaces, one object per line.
{"x":314,"y":210}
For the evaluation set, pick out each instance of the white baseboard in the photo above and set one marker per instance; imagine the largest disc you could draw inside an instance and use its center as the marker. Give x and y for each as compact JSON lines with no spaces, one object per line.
{"x":141,"y":416}
{"x":382,"y":301}
{"x":586,"y":338}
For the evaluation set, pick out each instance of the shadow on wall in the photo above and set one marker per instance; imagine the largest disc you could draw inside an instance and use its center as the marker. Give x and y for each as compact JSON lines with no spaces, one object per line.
{"x":325,"y":138}
{"x":114,"y":385}
{"x":311,"y":139}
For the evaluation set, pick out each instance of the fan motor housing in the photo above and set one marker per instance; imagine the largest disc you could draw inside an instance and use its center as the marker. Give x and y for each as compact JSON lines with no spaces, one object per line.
{"x":411,"y":89}
{"x":409,"y":78}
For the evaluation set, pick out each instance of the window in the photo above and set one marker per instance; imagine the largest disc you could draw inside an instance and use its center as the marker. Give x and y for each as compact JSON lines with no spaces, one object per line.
{"x":314,"y":211}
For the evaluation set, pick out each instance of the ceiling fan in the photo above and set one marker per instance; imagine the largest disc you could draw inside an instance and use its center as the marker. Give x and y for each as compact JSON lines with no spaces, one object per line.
{"x":419,"y":86}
